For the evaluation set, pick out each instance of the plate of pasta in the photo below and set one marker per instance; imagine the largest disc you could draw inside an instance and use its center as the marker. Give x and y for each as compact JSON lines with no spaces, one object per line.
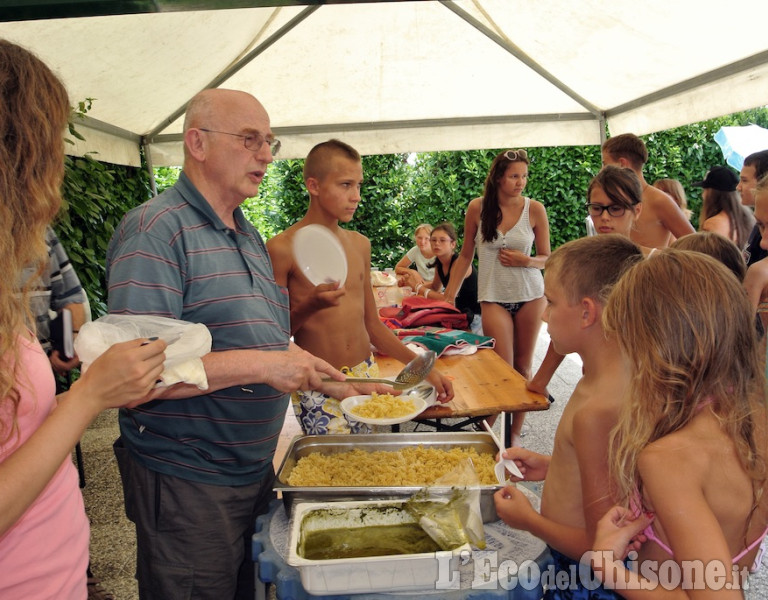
{"x":383,"y":409}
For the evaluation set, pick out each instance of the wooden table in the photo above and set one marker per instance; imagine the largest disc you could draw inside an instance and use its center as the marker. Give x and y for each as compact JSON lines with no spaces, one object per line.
{"x":483,"y":384}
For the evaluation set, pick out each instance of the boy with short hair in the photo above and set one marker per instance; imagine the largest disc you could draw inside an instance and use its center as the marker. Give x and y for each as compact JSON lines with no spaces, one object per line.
{"x":756,"y":280}
{"x":575,"y":496}
{"x":754,"y":169}
{"x":336,"y":322}
{"x":661,"y":219}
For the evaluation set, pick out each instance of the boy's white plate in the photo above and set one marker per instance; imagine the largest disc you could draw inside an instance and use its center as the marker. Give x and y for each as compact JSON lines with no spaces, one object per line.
{"x":319,"y":255}
{"x":348,"y":403}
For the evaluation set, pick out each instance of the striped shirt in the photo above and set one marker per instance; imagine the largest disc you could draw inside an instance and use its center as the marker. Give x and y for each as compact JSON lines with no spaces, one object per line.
{"x":59,"y":287}
{"x":173,"y":257}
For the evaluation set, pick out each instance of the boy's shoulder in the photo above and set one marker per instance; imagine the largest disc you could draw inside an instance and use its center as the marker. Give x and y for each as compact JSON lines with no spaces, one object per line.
{"x":596,"y":405}
{"x":281,"y":241}
{"x":357,"y":239}
{"x":656,"y":197}
{"x":759,"y":268}
{"x":285,"y":237}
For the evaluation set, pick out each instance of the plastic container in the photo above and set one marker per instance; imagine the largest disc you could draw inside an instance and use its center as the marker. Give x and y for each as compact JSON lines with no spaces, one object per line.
{"x":401,"y":572}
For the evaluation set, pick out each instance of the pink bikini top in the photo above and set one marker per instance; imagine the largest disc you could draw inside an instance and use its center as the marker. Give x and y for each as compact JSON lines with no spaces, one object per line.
{"x":651,"y":535}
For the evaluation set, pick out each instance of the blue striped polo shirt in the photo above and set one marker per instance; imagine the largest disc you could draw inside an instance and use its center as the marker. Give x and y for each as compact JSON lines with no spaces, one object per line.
{"x":173,"y":257}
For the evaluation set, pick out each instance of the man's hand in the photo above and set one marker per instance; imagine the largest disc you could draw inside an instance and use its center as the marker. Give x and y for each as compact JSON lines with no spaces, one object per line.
{"x":341,"y":390}
{"x":296,"y":369}
{"x":61,"y":366}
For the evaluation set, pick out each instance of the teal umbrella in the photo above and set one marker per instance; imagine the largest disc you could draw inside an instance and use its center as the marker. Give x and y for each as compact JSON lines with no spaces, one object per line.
{"x":739,"y":142}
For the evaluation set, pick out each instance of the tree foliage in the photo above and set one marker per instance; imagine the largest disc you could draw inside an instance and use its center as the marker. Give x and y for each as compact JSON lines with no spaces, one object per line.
{"x":399,"y":192}
{"x":96,"y":196}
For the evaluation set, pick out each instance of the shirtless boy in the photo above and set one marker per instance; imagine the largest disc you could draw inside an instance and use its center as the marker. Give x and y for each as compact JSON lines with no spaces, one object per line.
{"x":336,"y":322}
{"x":575,"y":496}
{"x":754,"y":169}
{"x":756,"y":280}
{"x":661,"y":220}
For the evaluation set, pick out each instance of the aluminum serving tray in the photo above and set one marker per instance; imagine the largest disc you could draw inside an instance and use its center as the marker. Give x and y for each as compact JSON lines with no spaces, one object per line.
{"x":330,"y":444}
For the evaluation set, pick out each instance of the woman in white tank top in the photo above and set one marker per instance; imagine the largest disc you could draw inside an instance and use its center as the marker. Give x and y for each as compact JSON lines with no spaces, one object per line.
{"x":506,"y":227}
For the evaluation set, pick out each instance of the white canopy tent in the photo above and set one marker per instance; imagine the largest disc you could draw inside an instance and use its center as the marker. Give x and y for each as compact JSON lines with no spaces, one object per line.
{"x":411,"y":76}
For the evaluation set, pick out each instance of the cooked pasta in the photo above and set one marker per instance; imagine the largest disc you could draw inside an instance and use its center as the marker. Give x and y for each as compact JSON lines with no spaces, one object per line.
{"x":384,"y":406}
{"x":412,"y":466}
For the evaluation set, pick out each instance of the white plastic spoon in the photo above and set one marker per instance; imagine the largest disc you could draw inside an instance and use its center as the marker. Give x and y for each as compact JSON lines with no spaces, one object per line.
{"x":503,"y":464}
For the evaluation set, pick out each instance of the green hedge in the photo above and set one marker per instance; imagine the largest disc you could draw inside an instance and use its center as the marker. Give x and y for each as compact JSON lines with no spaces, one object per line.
{"x":96,"y":196}
{"x":398,"y":193}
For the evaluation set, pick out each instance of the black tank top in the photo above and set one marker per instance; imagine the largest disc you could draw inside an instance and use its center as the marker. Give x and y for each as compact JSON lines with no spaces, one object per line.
{"x":466,"y":299}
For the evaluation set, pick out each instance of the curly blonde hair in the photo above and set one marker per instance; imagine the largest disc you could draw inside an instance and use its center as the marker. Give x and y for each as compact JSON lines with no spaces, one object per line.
{"x":685,"y":349}
{"x":32,"y":121}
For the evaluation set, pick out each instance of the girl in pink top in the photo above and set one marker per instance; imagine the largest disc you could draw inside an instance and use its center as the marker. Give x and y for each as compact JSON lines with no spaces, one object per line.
{"x":43,"y":528}
{"x":689,"y":453}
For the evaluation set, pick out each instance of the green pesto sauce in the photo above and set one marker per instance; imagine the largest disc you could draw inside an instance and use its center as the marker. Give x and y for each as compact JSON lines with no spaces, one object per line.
{"x":380,"y":540}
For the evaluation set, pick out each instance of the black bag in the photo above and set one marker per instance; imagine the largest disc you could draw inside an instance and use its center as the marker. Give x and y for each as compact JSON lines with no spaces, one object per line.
{"x":61,"y":334}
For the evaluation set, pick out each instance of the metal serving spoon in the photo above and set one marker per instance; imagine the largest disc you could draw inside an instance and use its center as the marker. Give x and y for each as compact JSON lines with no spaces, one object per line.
{"x":412,"y":374}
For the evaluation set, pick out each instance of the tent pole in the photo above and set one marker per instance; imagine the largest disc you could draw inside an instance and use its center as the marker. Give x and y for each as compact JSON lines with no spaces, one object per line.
{"x":518,"y":53}
{"x":150,"y":168}
{"x":601,"y":125}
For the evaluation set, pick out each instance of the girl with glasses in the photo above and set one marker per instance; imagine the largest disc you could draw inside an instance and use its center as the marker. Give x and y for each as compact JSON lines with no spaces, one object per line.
{"x":614,"y":201}
{"x":443,"y":242}
{"x":506,"y":227}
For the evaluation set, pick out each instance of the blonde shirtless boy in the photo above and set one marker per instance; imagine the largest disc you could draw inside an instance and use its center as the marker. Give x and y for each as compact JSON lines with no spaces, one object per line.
{"x":661,"y":220}
{"x":575,"y":496}
{"x":333,"y":321}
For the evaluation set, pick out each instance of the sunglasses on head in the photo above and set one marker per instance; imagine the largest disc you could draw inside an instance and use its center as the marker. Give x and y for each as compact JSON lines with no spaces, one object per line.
{"x":515,"y":155}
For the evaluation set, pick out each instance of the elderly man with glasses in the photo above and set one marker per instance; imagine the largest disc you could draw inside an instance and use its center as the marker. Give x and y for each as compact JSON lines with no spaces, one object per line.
{"x":196,"y":465}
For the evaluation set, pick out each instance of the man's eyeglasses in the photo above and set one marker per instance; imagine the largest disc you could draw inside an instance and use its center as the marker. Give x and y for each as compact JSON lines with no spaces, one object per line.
{"x":515,"y":155}
{"x":252,"y":141}
{"x":615,"y":210}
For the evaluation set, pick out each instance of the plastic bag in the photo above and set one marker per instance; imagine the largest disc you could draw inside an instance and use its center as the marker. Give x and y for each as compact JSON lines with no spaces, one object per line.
{"x":382,"y":278}
{"x":449,"y":509}
{"x":187,"y":344}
